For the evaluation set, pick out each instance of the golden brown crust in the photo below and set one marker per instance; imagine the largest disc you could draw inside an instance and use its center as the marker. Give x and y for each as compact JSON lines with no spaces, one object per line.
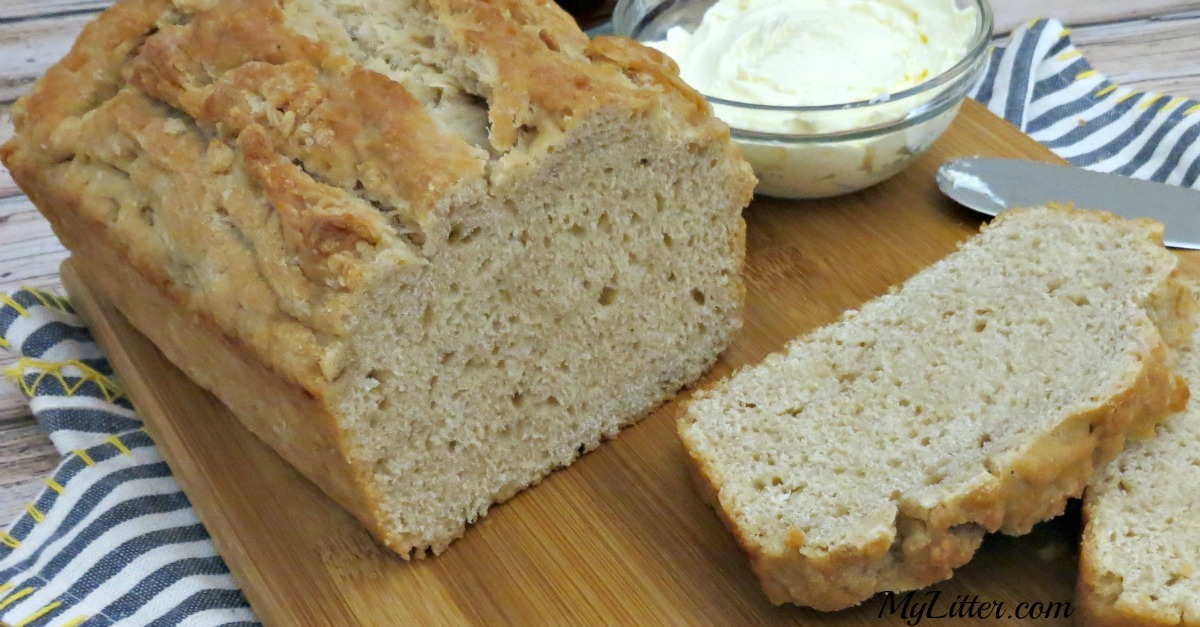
{"x":85,"y":77}
{"x":324,"y":227}
{"x":238,"y":66}
{"x":537,"y":83}
{"x":647,"y":66}
{"x":134,"y":162}
{"x":547,"y":73}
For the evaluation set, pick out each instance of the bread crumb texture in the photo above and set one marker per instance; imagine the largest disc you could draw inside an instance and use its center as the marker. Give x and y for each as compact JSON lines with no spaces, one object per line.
{"x":474,"y":240}
{"x":874,"y":453}
{"x":1141,"y":546}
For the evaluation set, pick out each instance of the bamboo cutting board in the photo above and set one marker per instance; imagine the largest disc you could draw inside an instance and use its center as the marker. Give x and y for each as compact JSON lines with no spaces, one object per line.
{"x":619,"y":537}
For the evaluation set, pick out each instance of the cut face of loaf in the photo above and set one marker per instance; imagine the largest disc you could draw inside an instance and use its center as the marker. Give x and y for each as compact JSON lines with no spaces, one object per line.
{"x":874,"y":453}
{"x":429,"y":251}
{"x":1140,"y":559}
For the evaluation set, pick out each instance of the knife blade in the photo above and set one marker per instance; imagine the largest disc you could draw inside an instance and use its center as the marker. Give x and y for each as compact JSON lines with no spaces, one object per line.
{"x":993,"y":185}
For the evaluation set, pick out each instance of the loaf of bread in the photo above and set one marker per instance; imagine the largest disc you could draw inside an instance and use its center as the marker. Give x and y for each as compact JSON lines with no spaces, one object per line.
{"x":874,"y":453}
{"x":428,"y":251}
{"x":1140,"y":559}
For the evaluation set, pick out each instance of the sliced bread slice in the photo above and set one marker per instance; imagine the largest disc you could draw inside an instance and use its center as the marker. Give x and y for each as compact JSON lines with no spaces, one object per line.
{"x":874,"y":453}
{"x":1140,"y":560}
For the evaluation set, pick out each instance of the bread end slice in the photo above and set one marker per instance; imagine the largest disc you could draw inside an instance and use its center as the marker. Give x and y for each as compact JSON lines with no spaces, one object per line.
{"x":1140,"y":555}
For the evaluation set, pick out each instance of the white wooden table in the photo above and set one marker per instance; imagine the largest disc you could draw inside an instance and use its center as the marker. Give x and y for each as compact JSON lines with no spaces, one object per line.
{"x":1145,"y":44}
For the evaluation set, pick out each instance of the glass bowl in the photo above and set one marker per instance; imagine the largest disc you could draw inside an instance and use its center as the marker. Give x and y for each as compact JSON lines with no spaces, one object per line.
{"x":831,"y":149}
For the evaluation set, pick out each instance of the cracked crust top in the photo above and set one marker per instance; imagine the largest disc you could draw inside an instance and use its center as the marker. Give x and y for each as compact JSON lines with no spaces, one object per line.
{"x":335,"y":148}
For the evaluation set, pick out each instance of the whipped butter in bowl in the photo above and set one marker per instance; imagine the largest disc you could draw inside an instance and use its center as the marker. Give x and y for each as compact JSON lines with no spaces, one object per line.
{"x":825,"y":97}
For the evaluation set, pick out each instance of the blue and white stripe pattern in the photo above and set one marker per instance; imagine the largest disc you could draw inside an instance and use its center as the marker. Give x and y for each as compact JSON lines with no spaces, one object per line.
{"x":111,"y":540}
{"x":1040,"y":83}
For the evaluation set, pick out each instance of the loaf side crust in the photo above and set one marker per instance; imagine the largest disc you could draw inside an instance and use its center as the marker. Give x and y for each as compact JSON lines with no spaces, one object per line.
{"x":84,"y":111}
{"x":270,"y":371}
{"x":280,"y":412}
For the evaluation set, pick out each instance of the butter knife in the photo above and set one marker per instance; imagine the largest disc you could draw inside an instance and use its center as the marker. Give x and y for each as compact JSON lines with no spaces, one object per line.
{"x":994,"y":185}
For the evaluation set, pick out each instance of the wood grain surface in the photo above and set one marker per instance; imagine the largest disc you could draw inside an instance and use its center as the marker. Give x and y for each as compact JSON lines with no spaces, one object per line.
{"x":620,"y":536}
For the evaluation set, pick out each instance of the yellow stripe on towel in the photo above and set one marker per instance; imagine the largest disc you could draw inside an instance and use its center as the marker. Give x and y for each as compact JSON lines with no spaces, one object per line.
{"x":110,"y":389}
{"x":1145,"y":104}
{"x":9,"y":542}
{"x":56,"y":486}
{"x":87,"y":459}
{"x":1175,"y":102}
{"x":5,"y":299}
{"x":120,"y":445}
{"x":16,"y":596}
{"x":1127,"y":97}
{"x":1086,"y":74}
{"x":34,"y":513}
{"x":1104,"y":91}
{"x":48,"y":300}
{"x":28,"y":620}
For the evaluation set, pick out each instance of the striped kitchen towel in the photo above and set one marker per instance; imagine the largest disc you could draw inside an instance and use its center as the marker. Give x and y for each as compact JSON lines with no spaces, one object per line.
{"x":111,"y":539}
{"x":1042,"y":84}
